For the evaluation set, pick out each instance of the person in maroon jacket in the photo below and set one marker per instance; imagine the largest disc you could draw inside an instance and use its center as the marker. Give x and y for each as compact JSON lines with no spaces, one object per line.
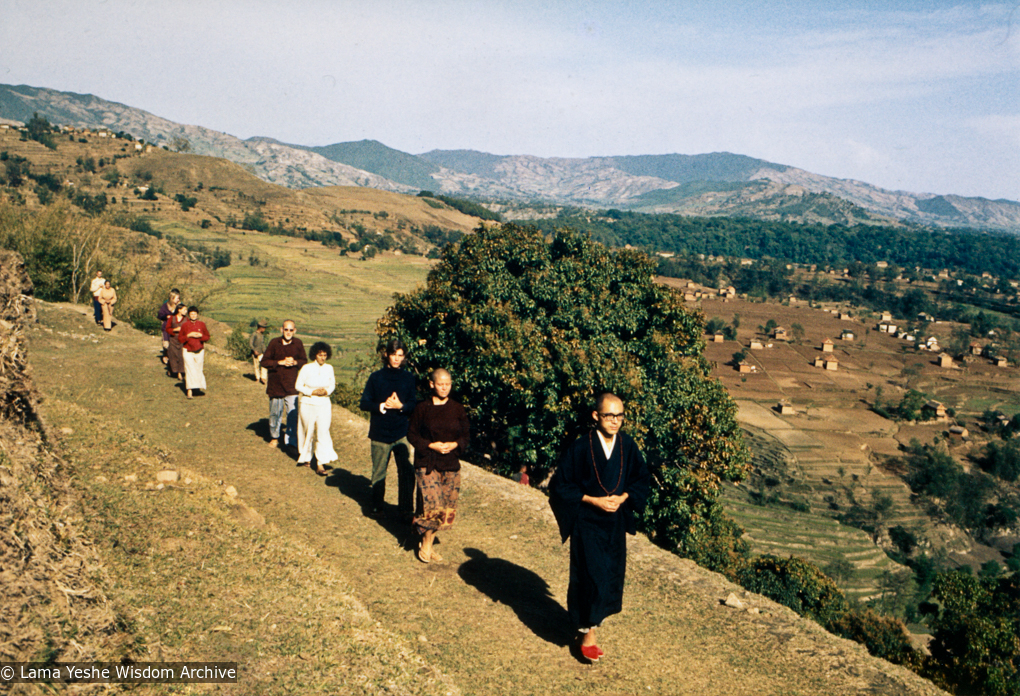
{"x":439,"y":431}
{"x":192,"y":336}
{"x":284,"y":358}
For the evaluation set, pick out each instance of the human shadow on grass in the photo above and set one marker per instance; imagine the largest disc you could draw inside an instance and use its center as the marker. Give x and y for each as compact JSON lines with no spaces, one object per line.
{"x":359,"y":489}
{"x":522,"y":590}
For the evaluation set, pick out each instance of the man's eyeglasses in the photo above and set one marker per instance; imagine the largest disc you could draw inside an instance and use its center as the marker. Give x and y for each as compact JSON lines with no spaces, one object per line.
{"x":615,"y":417}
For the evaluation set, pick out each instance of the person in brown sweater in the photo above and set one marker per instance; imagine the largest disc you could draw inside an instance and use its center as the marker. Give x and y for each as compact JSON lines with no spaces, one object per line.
{"x":439,"y":430}
{"x":284,"y":357}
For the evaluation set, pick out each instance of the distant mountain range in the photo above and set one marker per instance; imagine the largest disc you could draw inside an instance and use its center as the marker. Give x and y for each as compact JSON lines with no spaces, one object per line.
{"x":709,"y":184}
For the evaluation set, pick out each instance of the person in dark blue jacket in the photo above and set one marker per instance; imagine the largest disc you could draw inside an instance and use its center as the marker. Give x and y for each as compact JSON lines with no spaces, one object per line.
{"x":390,"y":397}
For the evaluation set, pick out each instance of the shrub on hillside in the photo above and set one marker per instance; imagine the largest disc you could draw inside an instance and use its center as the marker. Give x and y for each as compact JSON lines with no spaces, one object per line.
{"x":796,"y":584}
{"x":883,"y":636}
{"x":976,"y":629}
{"x":237,"y":343}
{"x":533,"y":331}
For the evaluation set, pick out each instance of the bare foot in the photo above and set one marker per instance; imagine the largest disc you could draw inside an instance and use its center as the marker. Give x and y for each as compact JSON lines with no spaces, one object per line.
{"x":274,"y":443}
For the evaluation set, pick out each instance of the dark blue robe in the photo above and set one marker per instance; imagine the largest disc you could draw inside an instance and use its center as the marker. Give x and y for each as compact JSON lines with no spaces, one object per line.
{"x":598,"y":543}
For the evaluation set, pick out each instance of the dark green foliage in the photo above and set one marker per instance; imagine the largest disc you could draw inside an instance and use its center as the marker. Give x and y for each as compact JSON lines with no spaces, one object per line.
{"x":255,"y":221}
{"x":237,"y":341}
{"x":883,"y":636}
{"x":467,"y":207}
{"x":187,"y":202}
{"x":40,"y":130}
{"x":910,"y":406}
{"x":143,"y":225}
{"x":1003,"y":459}
{"x":533,"y":331}
{"x":94,"y":205}
{"x":796,"y":584}
{"x":149,"y":194}
{"x":976,"y":630}
{"x":825,"y":245}
{"x":905,"y":540}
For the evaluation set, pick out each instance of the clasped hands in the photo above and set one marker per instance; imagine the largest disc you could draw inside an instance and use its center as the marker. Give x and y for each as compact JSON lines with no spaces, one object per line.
{"x":443,"y":447}
{"x":607,"y":503}
{"x":393,"y":403}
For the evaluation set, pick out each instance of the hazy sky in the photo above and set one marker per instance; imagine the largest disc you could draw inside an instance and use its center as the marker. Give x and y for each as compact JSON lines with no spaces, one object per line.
{"x":919,"y":96}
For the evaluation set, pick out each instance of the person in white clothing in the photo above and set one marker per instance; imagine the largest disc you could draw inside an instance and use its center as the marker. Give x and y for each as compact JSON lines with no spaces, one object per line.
{"x":98,"y":283}
{"x":315,"y":382}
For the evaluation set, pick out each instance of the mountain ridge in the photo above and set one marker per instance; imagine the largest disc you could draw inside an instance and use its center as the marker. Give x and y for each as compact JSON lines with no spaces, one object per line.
{"x":715,"y":184}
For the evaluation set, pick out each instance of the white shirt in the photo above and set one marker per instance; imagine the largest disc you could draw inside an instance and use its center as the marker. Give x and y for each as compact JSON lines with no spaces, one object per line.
{"x":607,"y":447}
{"x":97,"y":285}
{"x":313,"y":376}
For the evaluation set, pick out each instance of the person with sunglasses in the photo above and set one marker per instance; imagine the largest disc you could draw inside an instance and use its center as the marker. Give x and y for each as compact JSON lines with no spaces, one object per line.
{"x":596,"y":494}
{"x":284,"y":358}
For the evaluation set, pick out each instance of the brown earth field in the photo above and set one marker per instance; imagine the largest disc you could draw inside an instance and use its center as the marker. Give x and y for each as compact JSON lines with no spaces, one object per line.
{"x":286,"y":550}
{"x":833,"y":445}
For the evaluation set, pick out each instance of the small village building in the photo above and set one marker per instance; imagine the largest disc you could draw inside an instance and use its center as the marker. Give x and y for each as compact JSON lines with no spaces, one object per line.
{"x":785,"y":409}
{"x":718,"y":338}
{"x":945,"y":360}
{"x":886,"y":316}
{"x":746,"y":368}
{"x":828,"y":346}
{"x":1001,"y":361}
{"x":845,"y":315}
{"x":975,"y":348}
{"x":689,"y":297}
{"x":847,"y":335}
{"x":881,"y":264}
{"x":819,"y":361}
{"x":757,"y":345}
{"x":934,"y":409}
{"x":831,"y":364}
{"x":958,"y":432}
{"x":779,"y":334}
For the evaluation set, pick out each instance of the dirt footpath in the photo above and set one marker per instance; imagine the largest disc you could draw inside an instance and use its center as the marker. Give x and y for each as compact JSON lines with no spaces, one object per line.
{"x":492,"y":616}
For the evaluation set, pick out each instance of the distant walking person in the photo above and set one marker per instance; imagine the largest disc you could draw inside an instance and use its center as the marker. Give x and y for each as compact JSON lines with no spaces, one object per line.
{"x":439,"y":431}
{"x":257,"y":343}
{"x":94,"y":287}
{"x":284,"y":358}
{"x":596,"y":494}
{"x":389,"y":396}
{"x":175,"y":350}
{"x":192,"y":337}
{"x":107,"y":299}
{"x":165,"y":311}
{"x":315,"y":382}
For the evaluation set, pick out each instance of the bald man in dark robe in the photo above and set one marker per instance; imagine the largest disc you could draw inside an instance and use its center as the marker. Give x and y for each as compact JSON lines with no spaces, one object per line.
{"x":596,"y":494}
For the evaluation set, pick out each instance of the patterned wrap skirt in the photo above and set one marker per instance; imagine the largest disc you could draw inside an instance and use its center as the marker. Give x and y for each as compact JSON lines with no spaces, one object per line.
{"x":439,"y":493}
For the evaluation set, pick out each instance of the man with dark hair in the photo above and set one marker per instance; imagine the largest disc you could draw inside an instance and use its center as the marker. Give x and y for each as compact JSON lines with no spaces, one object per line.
{"x":284,"y":357}
{"x":390,"y":397}
{"x":596,"y":494}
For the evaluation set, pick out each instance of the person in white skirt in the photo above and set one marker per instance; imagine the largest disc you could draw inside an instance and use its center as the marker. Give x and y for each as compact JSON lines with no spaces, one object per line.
{"x":315,"y":382}
{"x":193,"y":336}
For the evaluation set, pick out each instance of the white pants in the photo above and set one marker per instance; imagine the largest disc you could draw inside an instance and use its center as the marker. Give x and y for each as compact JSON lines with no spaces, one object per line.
{"x":313,"y":432}
{"x":194,"y":366}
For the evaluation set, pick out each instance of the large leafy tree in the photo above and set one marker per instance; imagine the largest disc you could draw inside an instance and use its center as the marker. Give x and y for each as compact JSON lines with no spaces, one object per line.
{"x":533,"y":330}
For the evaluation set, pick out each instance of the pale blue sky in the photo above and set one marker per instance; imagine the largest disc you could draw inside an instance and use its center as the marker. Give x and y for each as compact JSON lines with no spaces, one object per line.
{"x":919,"y":96}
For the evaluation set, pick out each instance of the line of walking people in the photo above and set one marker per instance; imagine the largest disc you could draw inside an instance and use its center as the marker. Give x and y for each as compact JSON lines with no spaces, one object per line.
{"x":300,"y":413}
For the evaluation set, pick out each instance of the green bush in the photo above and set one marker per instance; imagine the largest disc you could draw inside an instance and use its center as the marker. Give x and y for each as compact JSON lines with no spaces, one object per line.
{"x":237,"y":342}
{"x":883,"y":636}
{"x":976,"y":630}
{"x":796,"y":584}
{"x":533,"y":331}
